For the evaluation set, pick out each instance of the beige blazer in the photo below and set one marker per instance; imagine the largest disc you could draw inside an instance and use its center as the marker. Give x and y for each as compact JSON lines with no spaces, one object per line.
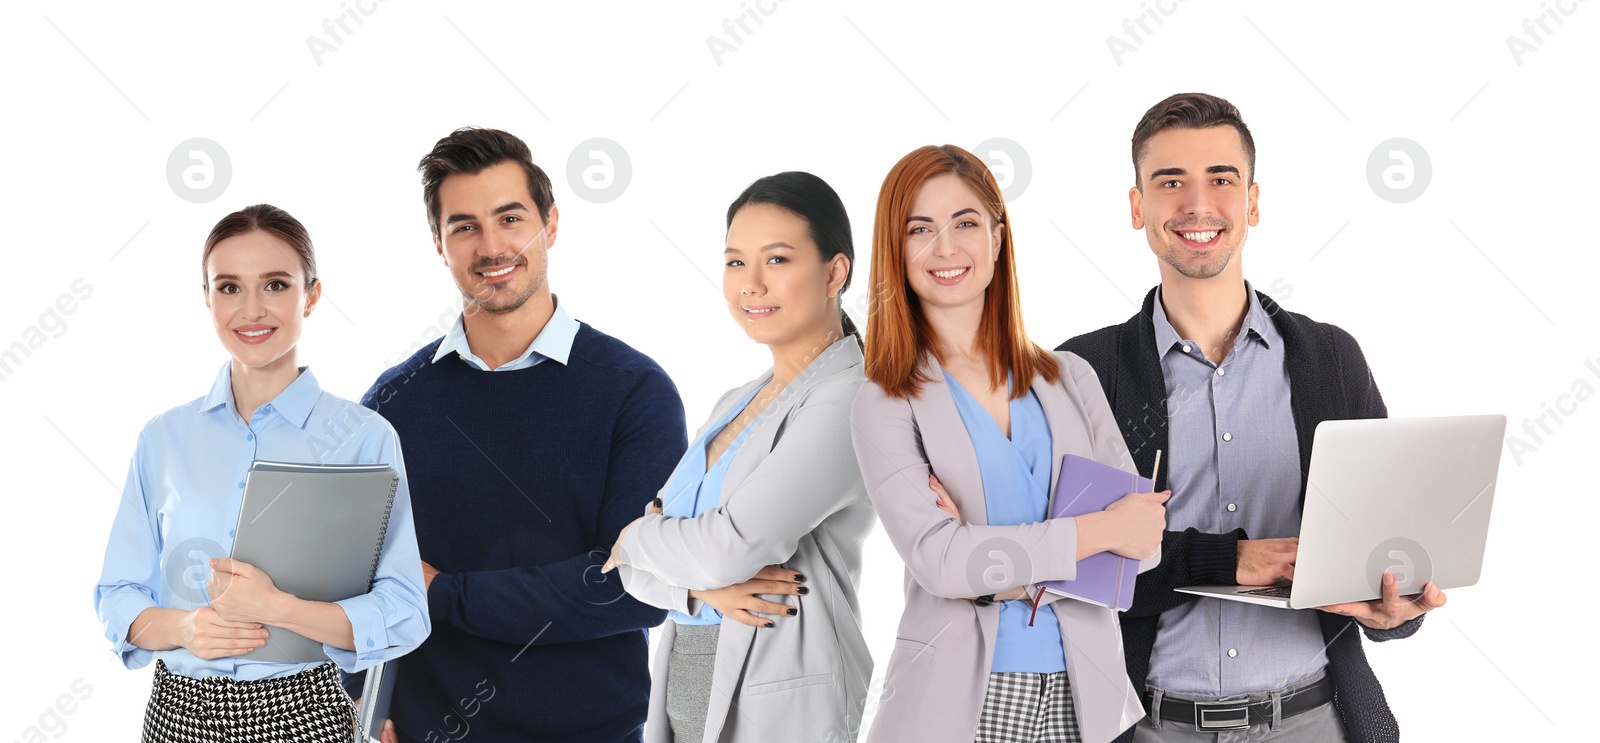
{"x":939,"y":668}
{"x":792,"y":496}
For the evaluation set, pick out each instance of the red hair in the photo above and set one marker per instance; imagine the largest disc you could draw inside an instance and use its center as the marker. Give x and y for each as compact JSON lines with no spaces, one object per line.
{"x":898,"y":334}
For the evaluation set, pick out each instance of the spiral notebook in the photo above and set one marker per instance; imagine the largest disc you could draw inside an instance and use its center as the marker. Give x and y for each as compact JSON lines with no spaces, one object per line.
{"x":1084,"y":486}
{"x":316,"y":530}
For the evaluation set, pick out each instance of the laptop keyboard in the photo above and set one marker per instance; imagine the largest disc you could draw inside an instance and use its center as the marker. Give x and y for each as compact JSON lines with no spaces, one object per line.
{"x":1276,"y":592}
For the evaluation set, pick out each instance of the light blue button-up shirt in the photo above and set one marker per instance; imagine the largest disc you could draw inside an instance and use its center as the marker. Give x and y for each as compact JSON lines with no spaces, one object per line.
{"x":694,"y":489}
{"x":1235,"y":464}
{"x":553,"y":342}
{"x":1016,"y":490}
{"x":181,"y":504}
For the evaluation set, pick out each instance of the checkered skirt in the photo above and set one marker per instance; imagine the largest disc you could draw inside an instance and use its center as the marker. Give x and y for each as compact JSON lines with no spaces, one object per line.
{"x":308,"y":706}
{"x":1028,"y":708}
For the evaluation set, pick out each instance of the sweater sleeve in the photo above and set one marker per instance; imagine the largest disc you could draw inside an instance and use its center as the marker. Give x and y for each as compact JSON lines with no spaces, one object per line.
{"x":572,"y":599}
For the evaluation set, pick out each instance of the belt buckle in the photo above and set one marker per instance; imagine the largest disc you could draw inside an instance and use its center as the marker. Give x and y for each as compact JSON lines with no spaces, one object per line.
{"x":1212,"y":716}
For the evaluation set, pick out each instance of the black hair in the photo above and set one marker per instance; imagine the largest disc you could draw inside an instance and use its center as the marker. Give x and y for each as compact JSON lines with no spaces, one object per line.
{"x":813,"y":200}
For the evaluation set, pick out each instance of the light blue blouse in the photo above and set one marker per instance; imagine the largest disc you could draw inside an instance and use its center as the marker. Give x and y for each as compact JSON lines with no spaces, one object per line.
{"x":1016,"y":490}
{"x":693,"y":489}
{"x":181,"y":503}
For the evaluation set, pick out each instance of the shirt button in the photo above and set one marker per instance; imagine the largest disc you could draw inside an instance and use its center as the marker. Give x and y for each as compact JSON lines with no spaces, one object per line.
{"x":1227,"y":437}
{"x":1187,"y":348}
{"x":369,"y":642}
{"x":1221,"y":372}
{"x":1232,"y":652}
{"x":1232,"y":508}
{"x":241,"y":484}
{"x":249,"y":437}
{"x":230,"y":531}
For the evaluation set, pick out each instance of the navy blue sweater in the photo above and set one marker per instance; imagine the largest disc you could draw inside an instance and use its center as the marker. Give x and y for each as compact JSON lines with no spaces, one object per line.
{"x":520,"y":481}
{"x":1328,"y":380}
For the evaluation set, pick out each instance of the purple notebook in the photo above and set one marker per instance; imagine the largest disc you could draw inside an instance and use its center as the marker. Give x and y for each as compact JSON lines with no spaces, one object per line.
{"x":1085,"y":486}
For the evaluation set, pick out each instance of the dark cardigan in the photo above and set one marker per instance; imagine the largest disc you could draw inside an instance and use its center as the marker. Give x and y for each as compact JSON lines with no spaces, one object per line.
{"x":1328,"y":380}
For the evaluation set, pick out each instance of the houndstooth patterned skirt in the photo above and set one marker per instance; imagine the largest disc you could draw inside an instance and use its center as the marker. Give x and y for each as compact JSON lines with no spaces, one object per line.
{"x":308,"y":706}
{"x":1028,"y":708}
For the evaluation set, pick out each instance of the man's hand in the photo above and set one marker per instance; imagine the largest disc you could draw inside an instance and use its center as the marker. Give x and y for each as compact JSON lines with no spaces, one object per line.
{"x":241,"y":592}
{"x":1263,"y":561}
{"x":1392,"y":609}
{"x":742,"y":601}
{"x":428,"y":571}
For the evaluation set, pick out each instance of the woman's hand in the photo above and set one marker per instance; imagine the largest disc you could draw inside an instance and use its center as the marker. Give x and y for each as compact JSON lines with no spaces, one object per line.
{"x":742,"y":601}
{"x":1131,"y":527}
{"x":945,"y":502}
{"x":241,"y":592}
{"x":206,"y":634}
{"x":616,"y":552}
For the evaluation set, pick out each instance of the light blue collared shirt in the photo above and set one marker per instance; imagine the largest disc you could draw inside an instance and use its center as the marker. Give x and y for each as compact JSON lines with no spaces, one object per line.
{"x":553,"y":342}
{"x":181,"y":503}
{"x":1016,"y":490}
{"x":1234,"y":464}
{"x":694,"y":489}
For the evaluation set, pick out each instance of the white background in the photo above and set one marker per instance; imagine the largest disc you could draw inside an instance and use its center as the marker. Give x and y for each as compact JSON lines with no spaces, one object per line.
{"x":1471,"y":298}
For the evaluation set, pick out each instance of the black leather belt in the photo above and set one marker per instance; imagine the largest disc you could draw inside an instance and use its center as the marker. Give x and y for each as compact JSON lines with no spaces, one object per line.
{"x":1210,"y":716}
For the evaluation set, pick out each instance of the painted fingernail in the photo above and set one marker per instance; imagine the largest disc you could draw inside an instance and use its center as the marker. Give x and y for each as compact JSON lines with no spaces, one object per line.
{"x":802,"y":590}
{"x":799,"y":577}
{"x":769,"y":625}
{"x":793,"y":611}
{"x":657,"y":501}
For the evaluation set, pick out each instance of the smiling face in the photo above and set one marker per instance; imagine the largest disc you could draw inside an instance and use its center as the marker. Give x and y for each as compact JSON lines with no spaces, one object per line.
{"x":1192,"y":200}
{"x":492,"y":239}
{"x":952,"y":243}
{"x":258,"y":298}
{"x":777,"y":286}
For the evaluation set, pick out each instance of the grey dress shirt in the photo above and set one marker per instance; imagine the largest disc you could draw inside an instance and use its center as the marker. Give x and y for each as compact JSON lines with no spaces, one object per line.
{"x":1234,"y":464}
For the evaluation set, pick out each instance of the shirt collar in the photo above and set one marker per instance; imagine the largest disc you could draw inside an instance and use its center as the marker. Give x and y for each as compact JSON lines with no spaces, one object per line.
{"x":294,"y":403}
{"x":554,"y":342}
{"x":1257,"y":323}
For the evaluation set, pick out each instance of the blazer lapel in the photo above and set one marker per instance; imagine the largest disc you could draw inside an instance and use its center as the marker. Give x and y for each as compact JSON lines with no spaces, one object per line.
{"x":945,"y":441}
{"x":844,"y":354}
{"x":1061,"y":411}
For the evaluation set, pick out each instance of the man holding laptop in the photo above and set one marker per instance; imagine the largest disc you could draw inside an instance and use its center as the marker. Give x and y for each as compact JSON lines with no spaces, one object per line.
{"x":1232,"y":387}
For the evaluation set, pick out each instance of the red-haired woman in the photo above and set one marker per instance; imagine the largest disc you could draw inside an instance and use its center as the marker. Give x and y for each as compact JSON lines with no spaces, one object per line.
{"x":960,"y":432}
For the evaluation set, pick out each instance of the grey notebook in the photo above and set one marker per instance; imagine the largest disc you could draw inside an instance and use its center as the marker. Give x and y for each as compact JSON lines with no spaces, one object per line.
{"x":317,"y":531}
{"x":376,"y":695}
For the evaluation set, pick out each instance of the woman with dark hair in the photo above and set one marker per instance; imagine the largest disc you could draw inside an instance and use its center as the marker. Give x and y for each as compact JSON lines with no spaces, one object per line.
{"x":767,"y":502}
{"x":168,"y":591}
{"x":961,"y":431}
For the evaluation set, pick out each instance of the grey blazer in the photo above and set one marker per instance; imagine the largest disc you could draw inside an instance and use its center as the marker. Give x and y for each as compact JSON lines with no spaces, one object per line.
{"x":792,"y":496}
{"x":939,"y":668}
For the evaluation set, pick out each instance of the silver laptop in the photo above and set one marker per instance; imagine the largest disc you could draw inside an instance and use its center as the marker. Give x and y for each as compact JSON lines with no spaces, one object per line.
{"x":1406,"y":495}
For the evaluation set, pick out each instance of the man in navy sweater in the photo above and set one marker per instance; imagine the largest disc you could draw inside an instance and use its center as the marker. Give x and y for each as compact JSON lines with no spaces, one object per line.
{"x":530,"y":440}
{"x":1232,"y":387}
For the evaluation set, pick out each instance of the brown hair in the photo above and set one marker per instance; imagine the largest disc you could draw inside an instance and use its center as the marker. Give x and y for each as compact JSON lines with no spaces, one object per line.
{"x":471,"y":150}
{"x":898,"y":333}
{"x":262,"y":218}
{"x":1191,"y":111}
